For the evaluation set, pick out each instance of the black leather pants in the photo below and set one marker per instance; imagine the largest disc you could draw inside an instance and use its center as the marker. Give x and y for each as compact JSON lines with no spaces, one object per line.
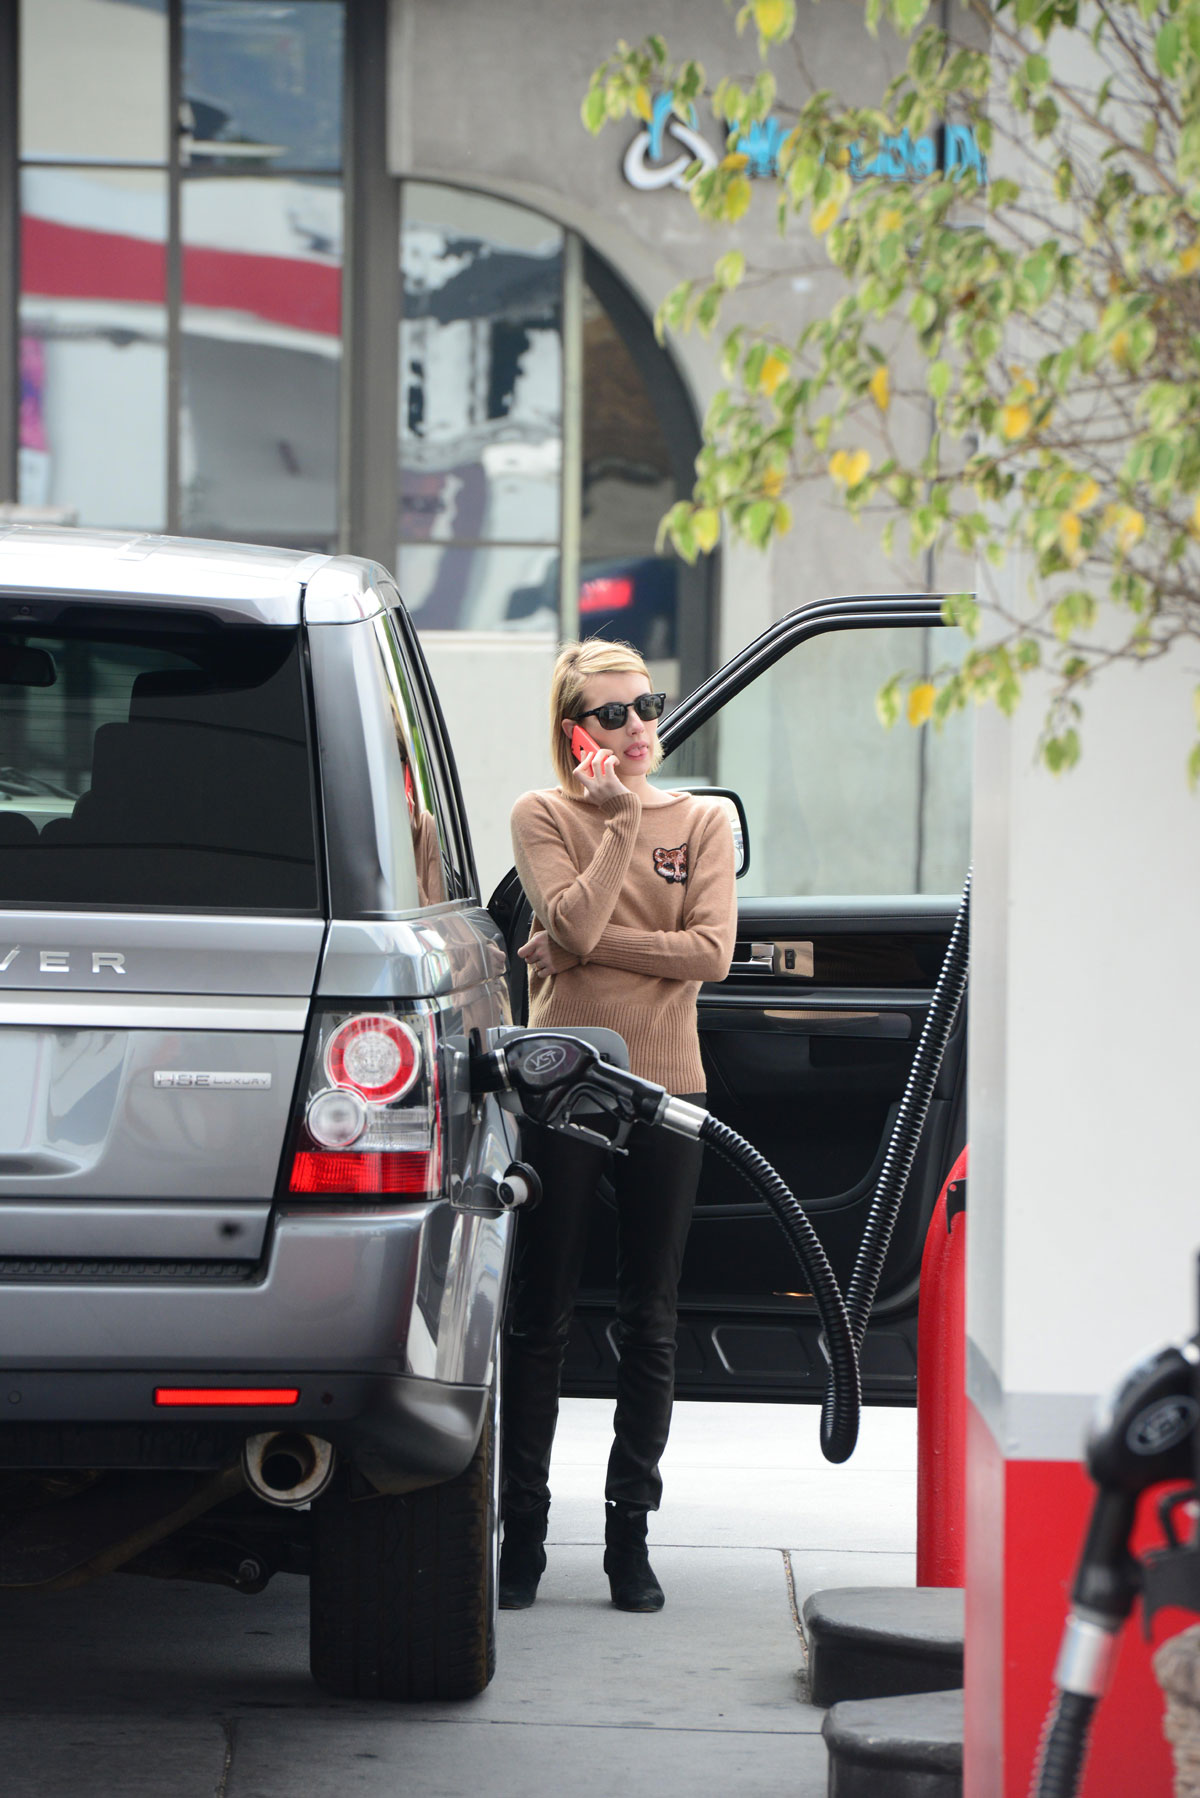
{"x":655,"y":1193}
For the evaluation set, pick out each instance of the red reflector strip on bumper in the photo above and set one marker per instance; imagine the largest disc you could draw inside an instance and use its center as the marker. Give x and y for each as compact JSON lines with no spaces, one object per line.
{"x":226,"y":1395}
{"x":348,"y":1170}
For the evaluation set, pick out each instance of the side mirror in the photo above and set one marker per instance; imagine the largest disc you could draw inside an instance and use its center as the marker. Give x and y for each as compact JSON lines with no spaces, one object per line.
{"x":731,"y":803}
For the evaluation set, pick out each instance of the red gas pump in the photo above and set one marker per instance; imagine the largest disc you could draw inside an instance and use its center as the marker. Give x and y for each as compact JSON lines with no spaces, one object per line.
{"x":941,"y":1390}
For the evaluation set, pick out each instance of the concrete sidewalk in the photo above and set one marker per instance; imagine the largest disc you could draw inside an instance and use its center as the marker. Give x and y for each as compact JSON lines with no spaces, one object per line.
{"x":709,"y":1695}
{"x":164,"y":1690}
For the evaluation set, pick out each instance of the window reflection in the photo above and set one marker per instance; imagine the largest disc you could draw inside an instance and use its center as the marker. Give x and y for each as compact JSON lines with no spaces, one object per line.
{"x":451,"y":588}
{"x":261,"y":351}
{"x":835,"y":804}
{"x":262,"y":84}
{"x":628,"y":481}
{"x":93,"y":344}
{"x":480,"y":370}
{"x":94,"y":80}
{"x":631,"y":475}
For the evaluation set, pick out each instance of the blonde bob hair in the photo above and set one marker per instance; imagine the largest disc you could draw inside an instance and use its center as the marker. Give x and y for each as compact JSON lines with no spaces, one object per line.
{"x":576,"y":665}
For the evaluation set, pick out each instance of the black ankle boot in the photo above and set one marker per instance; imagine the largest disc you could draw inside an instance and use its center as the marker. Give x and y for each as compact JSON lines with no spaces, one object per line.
{"x":626,"y":1561}
{"x":522,"y":1559}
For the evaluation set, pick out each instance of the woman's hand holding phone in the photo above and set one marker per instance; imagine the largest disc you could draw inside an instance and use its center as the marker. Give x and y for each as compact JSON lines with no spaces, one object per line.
{"x":597,"y":767}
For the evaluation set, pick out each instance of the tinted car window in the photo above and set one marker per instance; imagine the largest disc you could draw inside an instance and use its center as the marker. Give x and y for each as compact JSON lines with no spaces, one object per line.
{"x":156,"y":762}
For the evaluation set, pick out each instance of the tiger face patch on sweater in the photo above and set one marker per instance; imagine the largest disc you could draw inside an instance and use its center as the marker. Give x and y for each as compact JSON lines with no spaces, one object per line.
{"x":672,"y":864}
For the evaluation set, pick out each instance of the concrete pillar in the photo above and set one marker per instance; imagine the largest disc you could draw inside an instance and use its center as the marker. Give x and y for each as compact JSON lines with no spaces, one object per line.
{"x":1085,"y":1144}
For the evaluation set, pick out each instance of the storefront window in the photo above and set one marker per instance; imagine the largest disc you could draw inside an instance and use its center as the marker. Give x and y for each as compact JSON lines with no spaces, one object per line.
{"x":93,"y":335}
{"x":480,"y":377}
{"x":94,"y":81}
{"x":180,"y":314}
{"x":261,"y":349}
{"x":630,"y":479}
{"x":492,"y":435}
{"x":446,"y":587}
{"x":263,"y":84}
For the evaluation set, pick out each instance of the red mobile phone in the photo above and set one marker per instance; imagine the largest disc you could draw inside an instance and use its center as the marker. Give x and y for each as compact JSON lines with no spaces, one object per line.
{"x":582,"y":744}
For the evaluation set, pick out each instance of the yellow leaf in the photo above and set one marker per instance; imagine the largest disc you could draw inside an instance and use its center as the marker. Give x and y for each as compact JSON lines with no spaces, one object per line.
{"x":772,"y":482}
{"x":737,"y":199}
{"x":891,"y":219}
{"x":1130,"y":527}
{"x":769,"y":16}
{"x":837,"y":467}
{"x":880,"y":387}
{"x":736,"y":160}
{"x":857,"y":466}
{"x":783,"y":518}
{"x":1015,"y":421}
{"x":641,"y":103}
{"x":773,"y":371}
{"x":1087,"y":496}
{"x":1111,"y":515}
{"x":1069,"y":531}
{"x":823,"y":217}
{"x":1119,"y":348}
{"x":920,"y":702}
{"x":706,"y":527}
{"x":1189,"y":259}
{"x":1194,"y":525}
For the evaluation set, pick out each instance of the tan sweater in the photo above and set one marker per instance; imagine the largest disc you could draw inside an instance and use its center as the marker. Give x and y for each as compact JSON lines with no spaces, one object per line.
{"x":640,"y":906}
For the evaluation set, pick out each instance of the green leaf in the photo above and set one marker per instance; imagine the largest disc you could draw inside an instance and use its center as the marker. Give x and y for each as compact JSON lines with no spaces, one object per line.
{"x":1061,"y":752}
{"x":938,"y":379}
{"x":1037,"y":71}
{"x":594,"y":110}
{"x":730,"y":268}
{"x":1193,"y":768}
{"x":758,"y":522}
{"x":887,"y":702}
{"x":1168,"y":47}
{"x":907,"y":15}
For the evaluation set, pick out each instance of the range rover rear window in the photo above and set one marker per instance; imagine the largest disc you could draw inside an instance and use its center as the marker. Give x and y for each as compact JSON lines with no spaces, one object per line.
{"x":154,"y":761}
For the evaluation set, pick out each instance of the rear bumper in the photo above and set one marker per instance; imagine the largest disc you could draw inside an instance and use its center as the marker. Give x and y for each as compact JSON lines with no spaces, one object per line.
{"x":400,"y":1431}
{"x":402,"y":1289}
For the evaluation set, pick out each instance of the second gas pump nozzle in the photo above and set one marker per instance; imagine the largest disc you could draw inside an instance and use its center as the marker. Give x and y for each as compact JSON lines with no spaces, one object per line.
{"x":560,"y":1080}
{"x":1143,"y":1435}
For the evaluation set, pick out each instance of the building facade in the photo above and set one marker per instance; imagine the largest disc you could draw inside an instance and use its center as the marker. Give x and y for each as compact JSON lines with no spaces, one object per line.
{"x":353,"y":276}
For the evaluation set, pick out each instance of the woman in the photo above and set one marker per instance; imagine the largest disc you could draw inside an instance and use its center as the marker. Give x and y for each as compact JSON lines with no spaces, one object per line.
{"x":633,"y":899}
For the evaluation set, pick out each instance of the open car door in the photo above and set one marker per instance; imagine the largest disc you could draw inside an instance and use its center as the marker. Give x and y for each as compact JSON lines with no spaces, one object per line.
{"x":857,"y":847}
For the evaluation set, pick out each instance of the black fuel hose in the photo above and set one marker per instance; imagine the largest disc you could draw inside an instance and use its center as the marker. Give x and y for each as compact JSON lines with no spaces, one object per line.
{"x":1063,"y":1746}
{"x":910,"y":1122}
{"x":842,"y":1409}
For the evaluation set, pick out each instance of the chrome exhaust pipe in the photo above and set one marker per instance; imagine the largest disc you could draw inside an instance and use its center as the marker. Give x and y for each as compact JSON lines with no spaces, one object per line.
{"x":287,"y":1467}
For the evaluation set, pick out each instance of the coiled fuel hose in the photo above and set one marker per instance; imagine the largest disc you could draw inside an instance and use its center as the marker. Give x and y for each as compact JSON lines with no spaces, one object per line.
{"x":842,"y":1409}
{"x":1063,"y":1746}
{"x":910,"y":1120}
{"x":844,"y":1322}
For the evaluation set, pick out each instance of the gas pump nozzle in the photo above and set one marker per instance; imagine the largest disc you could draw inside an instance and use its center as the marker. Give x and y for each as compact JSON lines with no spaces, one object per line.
{"x":1143,"y":1435}
{"x":559,"y":1079}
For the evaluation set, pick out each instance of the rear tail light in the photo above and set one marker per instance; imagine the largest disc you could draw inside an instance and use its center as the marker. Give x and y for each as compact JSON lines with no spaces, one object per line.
{"x":377,"y":1056}
{"x":369,"y":1113}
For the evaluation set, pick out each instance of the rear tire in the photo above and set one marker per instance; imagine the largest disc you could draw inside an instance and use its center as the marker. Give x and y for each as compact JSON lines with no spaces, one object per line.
{"x":402,"y":1596}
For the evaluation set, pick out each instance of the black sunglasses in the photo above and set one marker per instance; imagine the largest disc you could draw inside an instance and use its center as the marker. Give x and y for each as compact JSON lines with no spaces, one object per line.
{"x":612,"y":716}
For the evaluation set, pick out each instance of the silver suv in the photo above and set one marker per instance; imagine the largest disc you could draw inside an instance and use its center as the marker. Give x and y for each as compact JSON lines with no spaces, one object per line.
{"x":252,"y":1229}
